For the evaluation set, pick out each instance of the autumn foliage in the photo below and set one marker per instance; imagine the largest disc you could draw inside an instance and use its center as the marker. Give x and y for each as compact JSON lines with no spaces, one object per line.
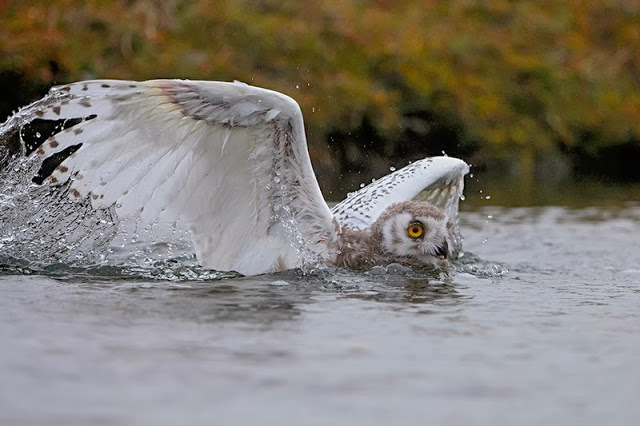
{"x":517,"y":80}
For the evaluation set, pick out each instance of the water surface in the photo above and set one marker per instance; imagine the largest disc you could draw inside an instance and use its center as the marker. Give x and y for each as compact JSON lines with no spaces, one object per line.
{"x":539,"y":323}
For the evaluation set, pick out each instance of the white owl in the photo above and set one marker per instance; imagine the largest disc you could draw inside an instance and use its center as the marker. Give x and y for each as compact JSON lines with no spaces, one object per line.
{"x":231,"y":161}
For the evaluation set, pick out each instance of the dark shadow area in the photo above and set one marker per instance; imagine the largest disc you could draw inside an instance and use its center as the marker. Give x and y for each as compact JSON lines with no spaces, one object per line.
{"x":18,"y":90}
{"x":618,"y":162}
{"x":362,"y":153}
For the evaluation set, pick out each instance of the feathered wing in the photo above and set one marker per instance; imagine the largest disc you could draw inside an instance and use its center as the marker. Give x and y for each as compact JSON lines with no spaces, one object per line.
{"x":439,"y":180}
{"x":228,"y":159}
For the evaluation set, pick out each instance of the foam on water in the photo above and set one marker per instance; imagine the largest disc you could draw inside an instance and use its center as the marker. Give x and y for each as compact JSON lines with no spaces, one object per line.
{"x":40,"y":225}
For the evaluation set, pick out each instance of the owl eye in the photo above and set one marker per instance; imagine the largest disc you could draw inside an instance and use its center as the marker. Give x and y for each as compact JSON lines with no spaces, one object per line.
{"x":415,"y":230}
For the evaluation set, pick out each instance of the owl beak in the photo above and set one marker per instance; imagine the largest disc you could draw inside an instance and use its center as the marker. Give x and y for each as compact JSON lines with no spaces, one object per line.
{"x":443,"y":249}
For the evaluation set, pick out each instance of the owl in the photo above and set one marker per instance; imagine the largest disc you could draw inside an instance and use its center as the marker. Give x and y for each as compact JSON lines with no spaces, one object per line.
{"x":409,"y":232}
{"x":230,"y":161}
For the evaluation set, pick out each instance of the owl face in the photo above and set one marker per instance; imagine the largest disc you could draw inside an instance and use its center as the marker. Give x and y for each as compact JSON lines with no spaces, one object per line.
{"x":416,"y":232}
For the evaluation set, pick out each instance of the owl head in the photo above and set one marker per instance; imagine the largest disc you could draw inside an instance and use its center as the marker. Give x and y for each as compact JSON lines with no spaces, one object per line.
{"x":414,"y":232}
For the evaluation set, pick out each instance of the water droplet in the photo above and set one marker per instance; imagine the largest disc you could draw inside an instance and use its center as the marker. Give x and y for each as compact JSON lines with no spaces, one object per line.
{"x":498,"y":270}
{"x":484,"y":240}
{"x":490,"y":216}
{"x":393,"y":169}
{"x":38,"y":134}
{"x":297,"y":86}
{"x":276,"y":179}
{"x":488,"y":197}
{"x":471,"y":269}
{"x":362,"y":185}
{"x":313,"y":109}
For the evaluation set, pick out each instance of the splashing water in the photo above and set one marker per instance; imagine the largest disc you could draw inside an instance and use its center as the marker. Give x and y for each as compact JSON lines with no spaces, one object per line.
{"x":39,"y":223}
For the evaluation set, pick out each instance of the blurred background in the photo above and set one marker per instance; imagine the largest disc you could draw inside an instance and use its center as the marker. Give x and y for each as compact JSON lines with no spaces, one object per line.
{"x":541,"y":98}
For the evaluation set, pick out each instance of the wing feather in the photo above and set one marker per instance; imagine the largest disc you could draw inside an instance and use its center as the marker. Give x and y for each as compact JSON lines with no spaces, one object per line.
{"x":436,"y":179}
{"x":228,"y":159}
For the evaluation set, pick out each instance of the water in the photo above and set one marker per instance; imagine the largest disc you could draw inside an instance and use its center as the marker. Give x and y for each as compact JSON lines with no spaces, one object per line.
{"x":538,"y":324}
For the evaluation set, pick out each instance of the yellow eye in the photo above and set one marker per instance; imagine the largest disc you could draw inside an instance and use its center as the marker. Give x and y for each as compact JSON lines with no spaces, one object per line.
{"x":415,"y":230}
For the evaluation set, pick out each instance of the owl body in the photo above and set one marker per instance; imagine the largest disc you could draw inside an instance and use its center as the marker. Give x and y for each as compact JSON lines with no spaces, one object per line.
{"x":357,"y":249}
{"x":408,"y":233}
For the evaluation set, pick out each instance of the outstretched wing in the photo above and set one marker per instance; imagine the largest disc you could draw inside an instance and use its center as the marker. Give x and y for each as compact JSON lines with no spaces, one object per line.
{"x":228,"y":159}
{"x":438,"y":180}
